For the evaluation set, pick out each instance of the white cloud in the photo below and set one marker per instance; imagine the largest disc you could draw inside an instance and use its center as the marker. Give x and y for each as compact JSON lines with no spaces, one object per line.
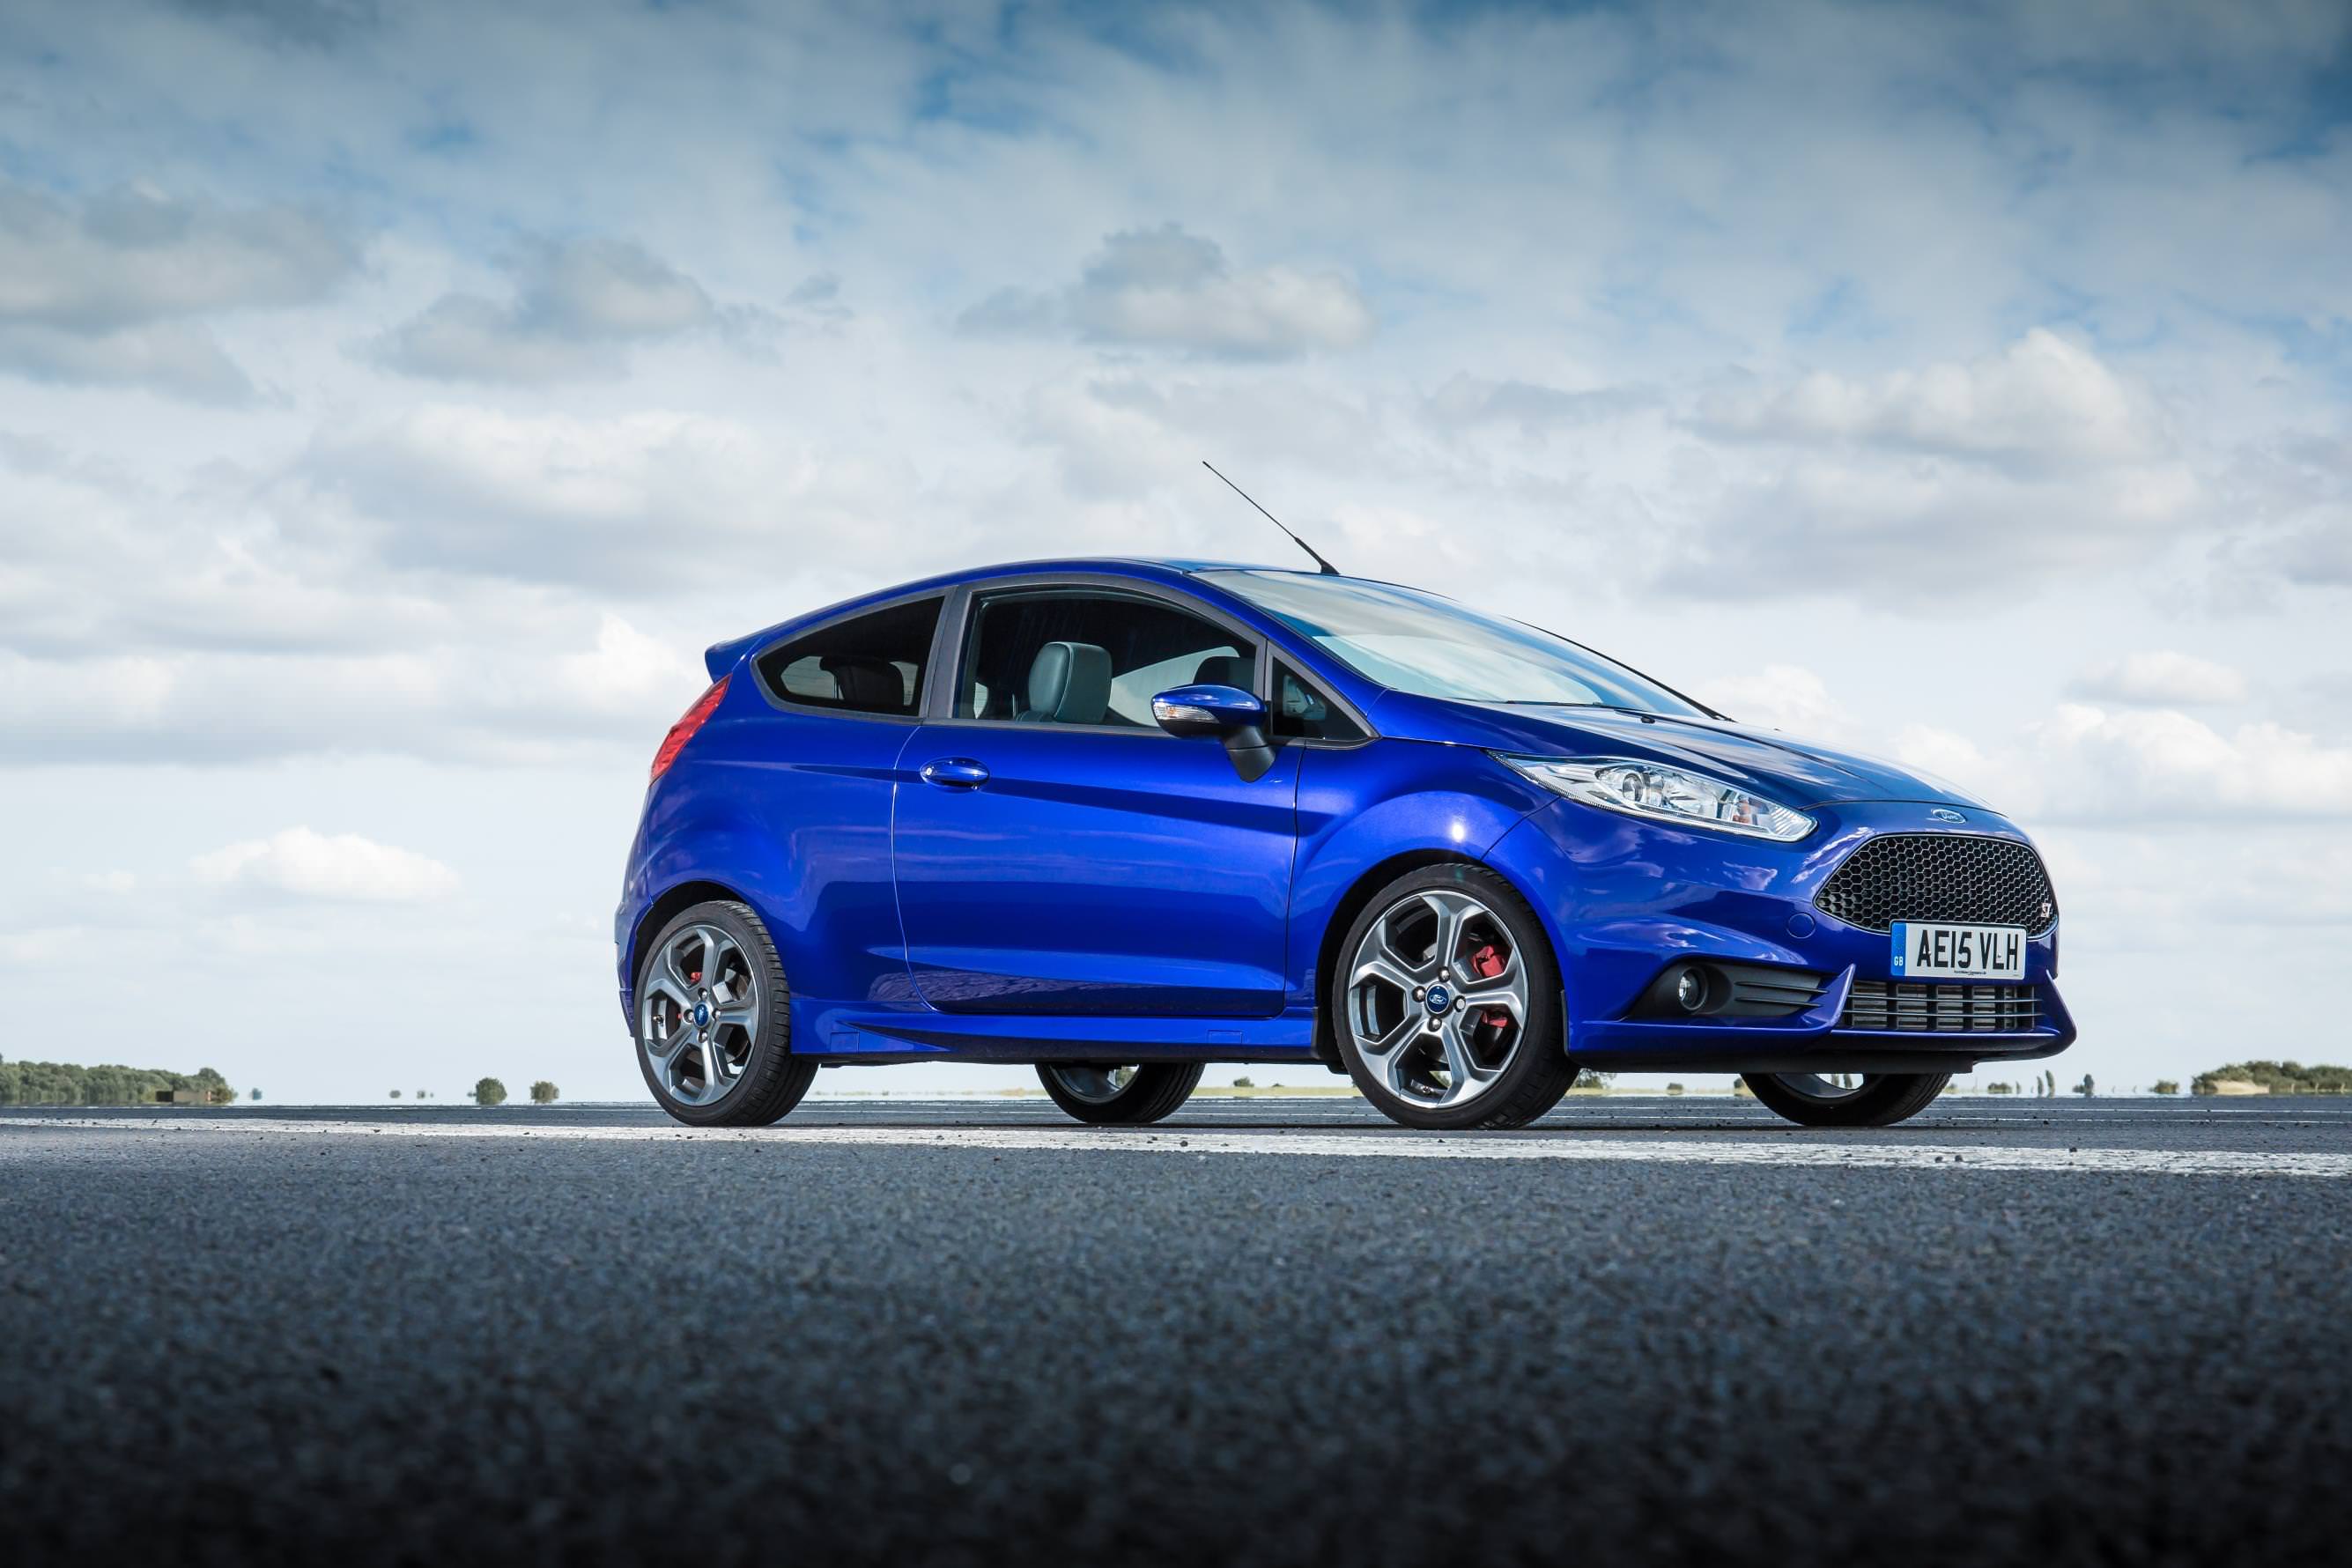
{"x":1946,"y":755}
{"x":601,"y":699}
{"x":1780,"y":697}
{"x":1953,"y":485}
{"x":575,"y":307}
{"x":2178,"y":891}
{"x":2169,"y":764}
{"x":101,"y":291}
{"x":2090,"y":765}
{"x":1467,"y":402}
{"x":2042,"y":402}
{"x":137,"y":254}
{"x":100,"y":558}
{"x":167,"y":356}
{"x":303,"y":864}
{"x":2300,"y":886}
{"x":649,"y":501}
{"x":1163,"y":288}
{"x":2160,"y":679}
{"x":627,"y":672}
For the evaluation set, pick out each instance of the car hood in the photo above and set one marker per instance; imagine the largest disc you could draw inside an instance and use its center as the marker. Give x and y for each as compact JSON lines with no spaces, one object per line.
{"x":1781,"y":767}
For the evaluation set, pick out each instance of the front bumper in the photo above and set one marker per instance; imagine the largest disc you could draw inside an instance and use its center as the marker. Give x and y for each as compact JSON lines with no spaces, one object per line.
{"x":1623,"y":899}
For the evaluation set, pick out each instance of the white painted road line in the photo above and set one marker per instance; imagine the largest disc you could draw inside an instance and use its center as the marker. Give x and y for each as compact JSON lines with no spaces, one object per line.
{"x":1787,"y":1151}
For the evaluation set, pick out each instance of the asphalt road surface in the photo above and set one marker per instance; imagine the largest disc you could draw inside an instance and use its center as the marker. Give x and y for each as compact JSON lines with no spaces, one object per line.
{"x":1266,"y":1332}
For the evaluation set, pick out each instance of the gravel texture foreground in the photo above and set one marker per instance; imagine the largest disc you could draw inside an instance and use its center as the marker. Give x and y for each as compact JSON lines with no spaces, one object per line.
{"x":291,"y":1342}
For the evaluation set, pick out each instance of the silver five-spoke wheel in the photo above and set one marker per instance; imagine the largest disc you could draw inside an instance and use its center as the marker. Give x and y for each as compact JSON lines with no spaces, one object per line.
{"x":1437,"y":998}
{"x":699,"y":1014}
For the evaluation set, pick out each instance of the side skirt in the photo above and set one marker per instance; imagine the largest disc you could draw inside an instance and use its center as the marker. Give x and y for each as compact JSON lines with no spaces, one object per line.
{"x":889,"y":1037}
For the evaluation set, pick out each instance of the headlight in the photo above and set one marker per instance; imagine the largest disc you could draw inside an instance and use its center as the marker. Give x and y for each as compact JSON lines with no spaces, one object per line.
{"x":1664,"y":795}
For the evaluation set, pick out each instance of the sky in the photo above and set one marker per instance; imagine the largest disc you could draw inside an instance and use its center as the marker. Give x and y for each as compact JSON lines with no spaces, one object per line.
{"x":394,"y":400}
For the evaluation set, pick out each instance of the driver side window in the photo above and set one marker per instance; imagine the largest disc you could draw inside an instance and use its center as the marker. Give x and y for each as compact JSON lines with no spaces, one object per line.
{"x":1089,"y":658}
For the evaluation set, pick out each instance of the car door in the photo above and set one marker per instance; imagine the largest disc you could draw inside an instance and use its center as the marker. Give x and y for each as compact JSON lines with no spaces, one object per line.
{"x":1056,"y":852}
{"x":812,"y":782}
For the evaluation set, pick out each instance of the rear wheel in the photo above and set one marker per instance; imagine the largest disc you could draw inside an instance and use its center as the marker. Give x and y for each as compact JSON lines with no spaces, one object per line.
{"x":1875,"y":1099}
{"x":714,"y":1021}
{"x":1446,"y":1004}
{"x":1121,"y":1095}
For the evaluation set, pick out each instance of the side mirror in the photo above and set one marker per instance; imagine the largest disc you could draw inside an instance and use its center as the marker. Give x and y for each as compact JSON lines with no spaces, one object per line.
{"x":1207,"y":710}
{"x":1222,"y":713}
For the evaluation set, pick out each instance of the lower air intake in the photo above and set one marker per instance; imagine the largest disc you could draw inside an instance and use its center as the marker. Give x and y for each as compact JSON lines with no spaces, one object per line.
{"x":1907,"y":1006}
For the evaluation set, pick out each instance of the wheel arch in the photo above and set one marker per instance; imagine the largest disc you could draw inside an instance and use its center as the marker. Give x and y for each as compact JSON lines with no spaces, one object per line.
{"x":1353,"y":902}
{"x":667,"y":906}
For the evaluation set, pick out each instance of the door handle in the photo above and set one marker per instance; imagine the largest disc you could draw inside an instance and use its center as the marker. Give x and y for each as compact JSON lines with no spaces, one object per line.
{"x":954,"y":773}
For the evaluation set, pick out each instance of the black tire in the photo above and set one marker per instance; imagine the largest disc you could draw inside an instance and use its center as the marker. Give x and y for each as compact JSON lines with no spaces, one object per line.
{"x":1156,"y":1090}
{"x":772,"y":1079}
{"x":1538,"y":1071}
{"x":1883,"y":1098}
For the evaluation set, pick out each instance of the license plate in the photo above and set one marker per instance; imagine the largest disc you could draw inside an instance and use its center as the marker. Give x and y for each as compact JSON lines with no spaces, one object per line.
{"x":1928,"y":951}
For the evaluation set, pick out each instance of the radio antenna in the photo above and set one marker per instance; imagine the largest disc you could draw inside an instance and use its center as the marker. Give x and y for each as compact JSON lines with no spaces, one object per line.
{"x":1328,"y":570}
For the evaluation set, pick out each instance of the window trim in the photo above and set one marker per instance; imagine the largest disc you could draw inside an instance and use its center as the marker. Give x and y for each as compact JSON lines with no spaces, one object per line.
{"x":943,"y":670}
{"x":946,"y":596}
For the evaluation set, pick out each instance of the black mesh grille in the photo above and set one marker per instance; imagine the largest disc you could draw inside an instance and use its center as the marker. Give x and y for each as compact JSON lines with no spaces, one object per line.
{"x":1940,"y":877}
{"x":1910,"y":1004}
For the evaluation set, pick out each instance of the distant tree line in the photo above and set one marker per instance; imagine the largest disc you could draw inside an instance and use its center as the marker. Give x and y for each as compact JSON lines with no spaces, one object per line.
{"x":63,"y":1083}
{"x":2279,"y":1078}
{"x":2041,"y":1088}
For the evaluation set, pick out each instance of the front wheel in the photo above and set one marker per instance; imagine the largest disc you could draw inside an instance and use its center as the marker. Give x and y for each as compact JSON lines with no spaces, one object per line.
{"x":1446,"y":1004}
{"x":1120,"y":1096}
{"x":1880,"y":1099}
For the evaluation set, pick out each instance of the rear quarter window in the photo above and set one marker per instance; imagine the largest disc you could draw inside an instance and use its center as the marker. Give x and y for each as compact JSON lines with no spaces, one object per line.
{"x":872,"y":663}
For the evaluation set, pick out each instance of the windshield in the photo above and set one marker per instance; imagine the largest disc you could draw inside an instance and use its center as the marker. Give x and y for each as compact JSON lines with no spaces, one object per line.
{"x":1433,"y":647}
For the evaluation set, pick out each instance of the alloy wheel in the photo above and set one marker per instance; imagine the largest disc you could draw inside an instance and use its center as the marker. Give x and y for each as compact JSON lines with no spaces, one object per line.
{"x":699,"y":1014}
{"x":1437,"y":998}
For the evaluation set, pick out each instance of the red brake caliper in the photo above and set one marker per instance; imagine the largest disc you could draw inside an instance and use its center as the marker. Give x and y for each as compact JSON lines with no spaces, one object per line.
{"x":1488,"y":963}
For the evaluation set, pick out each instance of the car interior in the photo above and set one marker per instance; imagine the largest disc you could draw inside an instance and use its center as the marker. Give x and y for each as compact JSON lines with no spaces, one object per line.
{"x":1094,"y":659}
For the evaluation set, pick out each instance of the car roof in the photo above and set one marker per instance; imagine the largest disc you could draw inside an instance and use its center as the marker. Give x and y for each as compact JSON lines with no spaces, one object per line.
{"x":1097,"y":562}
{"x":720,"y":656}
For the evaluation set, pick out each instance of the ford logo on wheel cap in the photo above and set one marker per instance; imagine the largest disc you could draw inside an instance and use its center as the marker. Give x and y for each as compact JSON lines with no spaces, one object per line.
{"x":701,"y":1014}
{"x":1438,"y":1000}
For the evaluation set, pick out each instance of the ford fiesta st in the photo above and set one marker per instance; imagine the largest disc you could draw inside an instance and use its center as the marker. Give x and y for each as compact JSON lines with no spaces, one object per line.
{"x":1120,"y":819}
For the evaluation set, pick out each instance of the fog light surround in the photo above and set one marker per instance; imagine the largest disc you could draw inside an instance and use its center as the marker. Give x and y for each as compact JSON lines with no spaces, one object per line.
{"x":1691,"y":989}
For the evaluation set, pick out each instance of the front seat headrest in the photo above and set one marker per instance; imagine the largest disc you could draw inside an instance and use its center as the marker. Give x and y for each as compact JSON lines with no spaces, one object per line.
{"x":866,"y":682}
{"x":1227,"y":669}
{"x":1069,"y":683}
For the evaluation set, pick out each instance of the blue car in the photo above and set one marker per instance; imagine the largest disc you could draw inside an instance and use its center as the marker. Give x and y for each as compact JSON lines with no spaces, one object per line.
{"x":1120,"y":820}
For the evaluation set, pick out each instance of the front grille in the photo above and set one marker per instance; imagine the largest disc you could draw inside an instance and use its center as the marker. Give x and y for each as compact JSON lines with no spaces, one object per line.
{"x":1911,"y":1004}
{"x":1958,"y":877}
